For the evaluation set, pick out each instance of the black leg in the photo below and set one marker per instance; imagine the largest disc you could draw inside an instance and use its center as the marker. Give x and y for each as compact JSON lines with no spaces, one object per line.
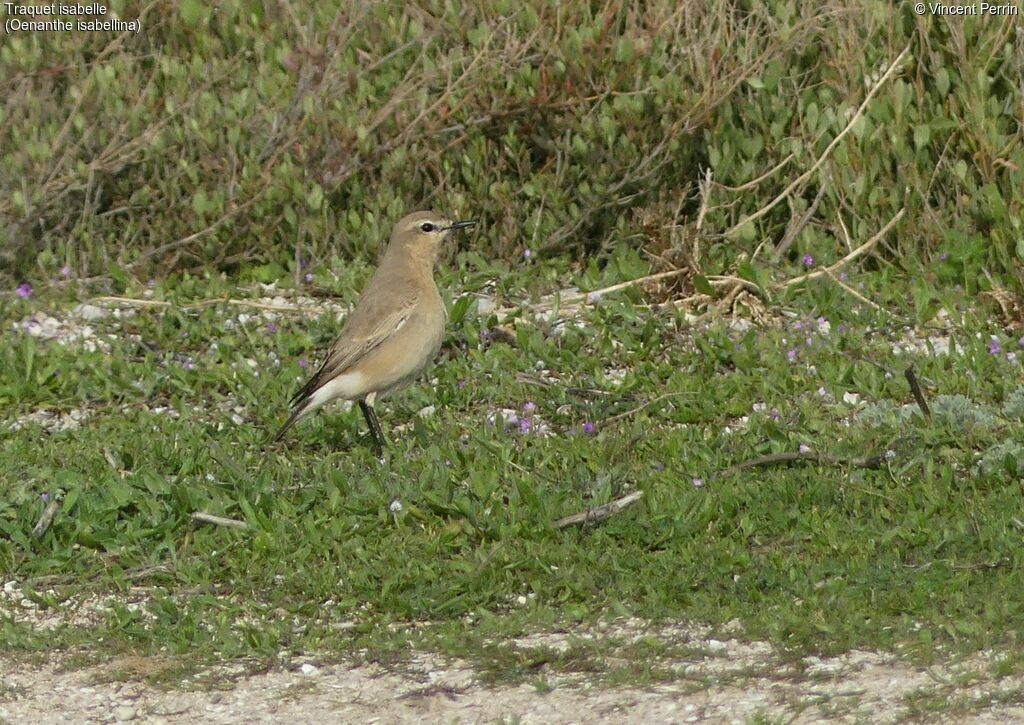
{"x":375,"y":431}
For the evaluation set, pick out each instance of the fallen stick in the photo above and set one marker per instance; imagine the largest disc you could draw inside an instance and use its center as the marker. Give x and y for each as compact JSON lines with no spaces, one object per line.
{"x":848,"y":258}
{"x":850,"y":290}
{"x":638,"y":408}
{"x":135,"y":302}
{"x":599,"y":513}
{"x":915,"y":388}
{"x":218,"y":520}
{"x":40,"y":529}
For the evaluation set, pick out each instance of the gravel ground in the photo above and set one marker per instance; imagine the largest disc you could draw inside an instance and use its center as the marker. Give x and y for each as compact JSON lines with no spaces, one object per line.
{"x":729,"y":681}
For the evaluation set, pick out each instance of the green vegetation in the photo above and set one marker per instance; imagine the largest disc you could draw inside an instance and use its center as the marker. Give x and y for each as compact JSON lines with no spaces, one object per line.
{"x":248,"y":135}
{"x":245,"y":153}
{"x":455,"y":530}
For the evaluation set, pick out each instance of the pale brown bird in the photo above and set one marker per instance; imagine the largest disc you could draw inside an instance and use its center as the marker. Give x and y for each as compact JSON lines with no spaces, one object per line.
{"x":394,"y":331}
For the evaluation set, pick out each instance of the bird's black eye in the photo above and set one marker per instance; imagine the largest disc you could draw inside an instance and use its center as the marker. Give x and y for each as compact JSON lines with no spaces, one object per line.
{"x":427,"y":227}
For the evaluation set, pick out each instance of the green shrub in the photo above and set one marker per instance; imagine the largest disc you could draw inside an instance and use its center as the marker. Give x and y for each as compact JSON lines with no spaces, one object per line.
{"x":249,"y":133}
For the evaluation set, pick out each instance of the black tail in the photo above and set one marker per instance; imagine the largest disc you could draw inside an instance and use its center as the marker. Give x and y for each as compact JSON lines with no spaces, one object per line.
{"x":292,"y":419}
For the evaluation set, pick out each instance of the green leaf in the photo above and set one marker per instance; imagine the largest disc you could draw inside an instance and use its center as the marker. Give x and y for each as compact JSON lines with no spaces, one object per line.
{"x":922,"y":135}
{"x":193,"y":12}
{"x":458,"y":312}
{"x":199,"y":203}
{"x":118,"y":275}
{"x":701,"y":284}
{"x":746,"y":271}
{"x":71,"y":498}
{"x":315,"y":198}
{"x":624,"y":51}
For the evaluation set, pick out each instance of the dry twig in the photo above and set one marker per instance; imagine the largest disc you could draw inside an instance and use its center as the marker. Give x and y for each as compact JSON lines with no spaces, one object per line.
{"x":797,"y":225}
{"x":754,"y":182}
{"x":218,"y":520}
{"x":599,"y":513}
{"x":637,"y":409}
{"x":859,"y":251}
{"x":135,"y":302}
{"x":857,"y":294}
{"x":40,"y":529}
{"x":915,"y":388}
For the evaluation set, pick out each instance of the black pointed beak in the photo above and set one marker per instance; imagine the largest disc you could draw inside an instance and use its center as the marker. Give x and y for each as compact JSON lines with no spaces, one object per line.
{"x":462,"y":225}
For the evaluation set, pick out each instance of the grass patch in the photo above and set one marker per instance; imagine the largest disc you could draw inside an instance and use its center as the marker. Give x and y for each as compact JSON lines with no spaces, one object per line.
{"x":449,"y":545}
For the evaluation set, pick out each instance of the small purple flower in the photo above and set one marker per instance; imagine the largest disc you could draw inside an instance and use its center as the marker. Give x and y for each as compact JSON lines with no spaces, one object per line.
{"x":809,"y":341}
{"x":24,"y":290}
{"x":272,"y":328}
{"x":804,"y":448}
{"x":843,"y":276}
{"x":308,"y":277}
{"x":525,"y":425}
{"x":589,"y":428}
{"x":822,"y":392}
{"x":529,"y":407}
{"x":594,"y":298}
{"x":698,"y":482}
{"x":44,"y":497}
{"x":994,"y":348}
{"x":1021,"y":342}
{"x":791,"y":355}
{"x":461,"y":384}
{"x":798,"y":325}
{"x":65,"y":272}
{"x":774,"y":414}
{"x":485,"y":335}
{"x":303,"y":363}
{"x":527,"y":254}
{"x":944,"y":256}
{"x":808,"y":260}
{"x":151,"y":284}
{"x":189,"y":364}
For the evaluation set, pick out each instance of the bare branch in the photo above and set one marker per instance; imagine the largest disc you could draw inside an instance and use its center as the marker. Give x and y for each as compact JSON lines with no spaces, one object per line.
{"x":600,"y":513}
{"x":218,"y":520}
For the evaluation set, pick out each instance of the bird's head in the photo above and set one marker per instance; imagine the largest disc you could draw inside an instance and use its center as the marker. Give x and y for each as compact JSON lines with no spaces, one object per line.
{"x":420,"y":234}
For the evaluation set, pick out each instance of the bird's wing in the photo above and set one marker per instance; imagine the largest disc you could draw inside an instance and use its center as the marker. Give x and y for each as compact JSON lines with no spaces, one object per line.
{"x":372,"y":322}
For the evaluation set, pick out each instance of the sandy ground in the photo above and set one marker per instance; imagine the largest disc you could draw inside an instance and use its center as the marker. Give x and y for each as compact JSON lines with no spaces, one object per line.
{"x":728,"y":682}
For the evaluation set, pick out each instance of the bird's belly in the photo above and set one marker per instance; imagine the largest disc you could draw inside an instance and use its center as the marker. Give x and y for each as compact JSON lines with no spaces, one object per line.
{"x":400,"y":360}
